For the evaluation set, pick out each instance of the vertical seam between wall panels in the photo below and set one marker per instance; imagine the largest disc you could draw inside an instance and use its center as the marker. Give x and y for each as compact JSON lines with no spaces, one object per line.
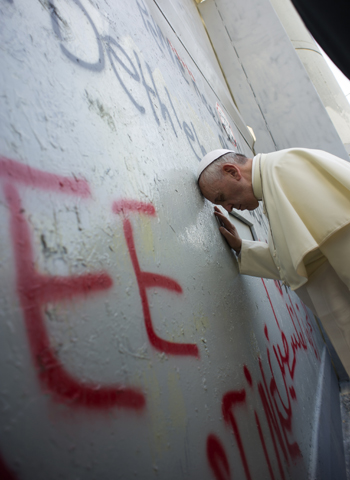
{"x":247,"y":79}
{"x":207,"y":81}
{"x":217,"y":58}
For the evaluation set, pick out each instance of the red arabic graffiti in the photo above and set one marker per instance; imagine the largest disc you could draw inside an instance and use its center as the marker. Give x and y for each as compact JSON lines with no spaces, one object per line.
{"x":147,"y":280}
{"x":217,"y":458}
{"x":278,"y":412}
{"x":298,"y":338}
{"x":35,"y":290}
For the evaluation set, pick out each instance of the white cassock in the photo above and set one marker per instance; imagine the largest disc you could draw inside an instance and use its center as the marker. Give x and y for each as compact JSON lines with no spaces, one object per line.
{"x":306,"y":195}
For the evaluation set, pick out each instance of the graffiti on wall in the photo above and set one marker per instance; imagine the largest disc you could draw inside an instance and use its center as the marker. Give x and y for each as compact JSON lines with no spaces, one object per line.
{"x":130,"y":63}
{"x":147,"y":280}
{"x":35,"y":289}
{"x":277,"y":405}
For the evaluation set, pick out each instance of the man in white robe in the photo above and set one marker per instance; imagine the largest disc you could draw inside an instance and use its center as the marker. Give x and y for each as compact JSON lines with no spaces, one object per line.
{"x":306,"y":198}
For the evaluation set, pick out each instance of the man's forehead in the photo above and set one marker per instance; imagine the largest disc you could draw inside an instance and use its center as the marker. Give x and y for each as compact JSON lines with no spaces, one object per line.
{"x":211,"y":189}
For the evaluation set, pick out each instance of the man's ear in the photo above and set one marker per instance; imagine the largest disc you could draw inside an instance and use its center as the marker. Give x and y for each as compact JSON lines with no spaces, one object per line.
{"x":232,"y":170}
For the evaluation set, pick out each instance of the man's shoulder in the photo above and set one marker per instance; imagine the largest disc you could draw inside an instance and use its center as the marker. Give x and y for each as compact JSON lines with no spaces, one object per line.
{"x":304,"y":168}
{"x":305,"y":159}
{"x":304,"y":154}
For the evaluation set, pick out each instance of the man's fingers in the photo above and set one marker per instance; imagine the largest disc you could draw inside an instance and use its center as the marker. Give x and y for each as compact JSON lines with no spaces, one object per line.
{"x":230,"y":239}
{"x":226,"y":223}
{"x":223,"y":219}
{"x":225,"y":232}
{"x":228,"y":230}
{"x":233,"y":241}
{"x":228,"y":235}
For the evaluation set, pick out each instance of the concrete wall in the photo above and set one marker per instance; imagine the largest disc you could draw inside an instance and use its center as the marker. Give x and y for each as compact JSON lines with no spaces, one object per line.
{"x":316,"y":66}
{"x":271,"y":87}
{"x":130,"y":345}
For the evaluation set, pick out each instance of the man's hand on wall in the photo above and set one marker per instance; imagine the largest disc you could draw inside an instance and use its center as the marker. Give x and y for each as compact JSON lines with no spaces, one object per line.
{"x":229,"y":231}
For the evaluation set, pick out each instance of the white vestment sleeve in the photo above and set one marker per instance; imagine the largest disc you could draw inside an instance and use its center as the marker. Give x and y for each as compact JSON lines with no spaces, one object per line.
{"x":337,"y":251}
{"x":255,"y":259}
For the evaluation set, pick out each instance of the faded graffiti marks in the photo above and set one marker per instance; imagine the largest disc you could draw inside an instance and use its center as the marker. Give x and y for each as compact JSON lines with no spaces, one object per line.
{"x":217,"y":458}
{"x":274,"y":398}
{"x":173,"y":109}
{"x":155,"y":30}
{"x":148,"y":89}
{"x":35,"y":290}
{"x":191,"y":139}
{"x":164,"y":110}
{"x":146,"y":280}
{"x":164,"y":43}
{"x":226,"y":125}
{"x":129,"y":69}
{"x":138,"y":73}
{"x":183,"y":64}
{"x":57,"y":21}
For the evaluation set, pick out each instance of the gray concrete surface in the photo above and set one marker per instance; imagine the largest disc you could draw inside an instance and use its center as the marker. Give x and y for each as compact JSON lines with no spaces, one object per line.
{"x":130,"y":346}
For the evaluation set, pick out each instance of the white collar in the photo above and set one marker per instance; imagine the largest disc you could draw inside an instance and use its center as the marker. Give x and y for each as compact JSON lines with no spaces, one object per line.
{"x":256,"y":180}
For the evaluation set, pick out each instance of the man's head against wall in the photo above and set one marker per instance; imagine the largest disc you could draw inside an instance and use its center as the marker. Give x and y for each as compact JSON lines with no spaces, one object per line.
{"x":225,"y":179}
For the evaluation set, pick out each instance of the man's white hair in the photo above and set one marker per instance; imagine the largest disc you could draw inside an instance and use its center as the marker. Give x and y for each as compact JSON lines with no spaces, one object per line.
{"x":213,"y":172}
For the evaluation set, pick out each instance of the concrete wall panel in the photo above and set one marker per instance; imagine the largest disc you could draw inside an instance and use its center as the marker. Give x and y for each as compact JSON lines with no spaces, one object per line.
{"x":130,"y":345}
{"x":271,"y":86}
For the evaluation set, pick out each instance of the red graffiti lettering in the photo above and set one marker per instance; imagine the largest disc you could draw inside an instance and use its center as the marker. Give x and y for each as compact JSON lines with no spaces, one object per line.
{"x":248,"y":376}
{"x":35,"y":290}
{"x":277,"y":408}
{"x":19,"y":173}
{"x":217,"y":458}
{"x":273,"y":426}
{"x":147,"y":280}
{"x":298,"y":340}
{"x":125,"y":206}
{"x":270,"y":301}
{"x":266,"y":333}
